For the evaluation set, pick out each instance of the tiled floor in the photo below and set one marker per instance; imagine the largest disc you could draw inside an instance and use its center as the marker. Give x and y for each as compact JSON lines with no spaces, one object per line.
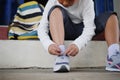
{"x":3,"y":33}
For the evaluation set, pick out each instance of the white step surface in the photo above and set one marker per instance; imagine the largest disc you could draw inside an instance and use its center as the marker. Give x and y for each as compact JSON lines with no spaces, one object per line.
{"x":24,"y":53}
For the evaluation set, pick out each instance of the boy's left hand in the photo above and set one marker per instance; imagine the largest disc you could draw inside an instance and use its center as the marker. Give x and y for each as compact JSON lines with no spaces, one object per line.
{"x":72,"y":50}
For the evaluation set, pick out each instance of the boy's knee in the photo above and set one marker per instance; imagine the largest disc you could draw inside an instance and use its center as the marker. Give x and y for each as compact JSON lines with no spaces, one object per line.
{"x":59,"y":12}
{"x":113,"y":16}
{"x":54,"y":11}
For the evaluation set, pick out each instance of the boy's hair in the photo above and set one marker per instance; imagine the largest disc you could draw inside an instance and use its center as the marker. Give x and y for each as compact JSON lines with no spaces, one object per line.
{"x":66,"y":2}
{"x":69,"y":0}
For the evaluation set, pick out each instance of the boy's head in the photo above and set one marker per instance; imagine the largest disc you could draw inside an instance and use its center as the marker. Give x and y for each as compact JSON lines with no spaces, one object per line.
{"x":67,"y":3}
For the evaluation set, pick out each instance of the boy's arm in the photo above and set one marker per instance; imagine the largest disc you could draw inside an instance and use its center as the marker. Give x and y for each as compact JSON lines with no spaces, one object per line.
{"x":43,"y":27}
{"x":89,"y":26}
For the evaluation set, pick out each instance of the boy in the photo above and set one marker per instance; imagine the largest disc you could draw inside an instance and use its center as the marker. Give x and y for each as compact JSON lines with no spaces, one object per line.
{"x":74,"y":20}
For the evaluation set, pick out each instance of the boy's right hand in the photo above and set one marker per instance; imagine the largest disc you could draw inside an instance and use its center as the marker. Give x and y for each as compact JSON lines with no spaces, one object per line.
{"x":54,"y":49}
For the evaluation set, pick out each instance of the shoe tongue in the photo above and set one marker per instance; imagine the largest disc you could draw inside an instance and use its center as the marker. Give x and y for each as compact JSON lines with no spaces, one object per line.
{"x":62,"y":53}
{"x":62,"y":48}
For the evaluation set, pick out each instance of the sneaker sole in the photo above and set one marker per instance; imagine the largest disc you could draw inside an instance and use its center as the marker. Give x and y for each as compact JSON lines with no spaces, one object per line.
{"x":112,"y":69}
{"x":62,"y":69}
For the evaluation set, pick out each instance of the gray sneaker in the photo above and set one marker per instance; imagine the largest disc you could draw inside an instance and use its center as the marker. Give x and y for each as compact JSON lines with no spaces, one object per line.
{"x":61,"y":64}
{"x":113,"y":63}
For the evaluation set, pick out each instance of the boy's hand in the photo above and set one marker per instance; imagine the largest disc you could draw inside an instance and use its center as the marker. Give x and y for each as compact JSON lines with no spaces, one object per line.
{"x":54,"y":49}
{"x":72,"y":50}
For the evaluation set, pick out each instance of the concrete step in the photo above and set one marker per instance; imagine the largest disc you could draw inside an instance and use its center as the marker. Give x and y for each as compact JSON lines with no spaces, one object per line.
{"x":30,"y":53}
